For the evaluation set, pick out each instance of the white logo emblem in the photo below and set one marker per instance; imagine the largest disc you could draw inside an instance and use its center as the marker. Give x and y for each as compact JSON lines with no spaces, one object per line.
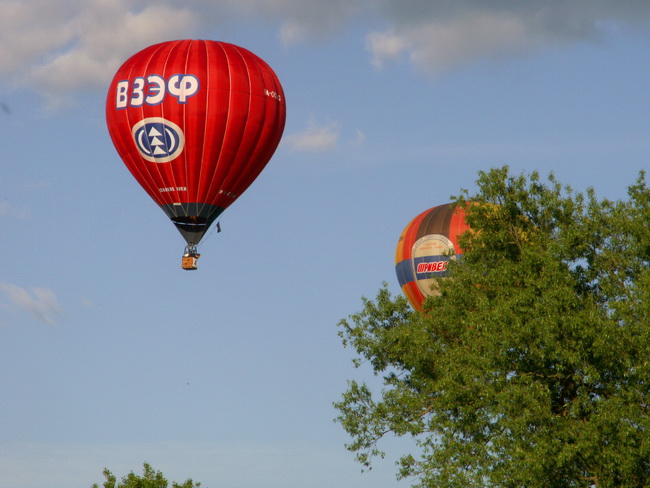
{"x":158,"y":139}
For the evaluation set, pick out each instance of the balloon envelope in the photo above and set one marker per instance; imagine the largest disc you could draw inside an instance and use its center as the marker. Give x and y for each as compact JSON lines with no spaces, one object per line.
{"x":195,"y":122}
{"x":424,"y":249}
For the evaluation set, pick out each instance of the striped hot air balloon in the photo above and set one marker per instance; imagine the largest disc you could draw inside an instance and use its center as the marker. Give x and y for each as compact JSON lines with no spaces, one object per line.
{"x":195,"y":122}
{"x":424,"y":249}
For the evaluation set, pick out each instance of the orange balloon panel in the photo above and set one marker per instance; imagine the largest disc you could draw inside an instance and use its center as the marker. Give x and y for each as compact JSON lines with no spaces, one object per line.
{"x":424,"y":249}
{"x":195,"y":122}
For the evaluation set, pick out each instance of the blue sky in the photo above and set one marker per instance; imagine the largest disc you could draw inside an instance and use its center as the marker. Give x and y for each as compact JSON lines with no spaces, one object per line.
{"x":111,"y":355}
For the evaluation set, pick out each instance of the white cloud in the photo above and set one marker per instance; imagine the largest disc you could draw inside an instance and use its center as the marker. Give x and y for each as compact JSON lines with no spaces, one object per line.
{"x":435,"y":46}
{"x":292,"y":32}
{"x":386,"y":46}
{"x":60,"y":48}
{"x":360,"y":139}
{"x":300,"y":20}
{"x":12,"y":211}
{"x":40,"y":302}
{"x":316,"y":138}
{"x":438,"y":35}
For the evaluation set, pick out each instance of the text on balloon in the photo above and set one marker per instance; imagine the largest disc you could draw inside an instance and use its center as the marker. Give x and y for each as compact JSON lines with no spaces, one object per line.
{"x":153,"y":90}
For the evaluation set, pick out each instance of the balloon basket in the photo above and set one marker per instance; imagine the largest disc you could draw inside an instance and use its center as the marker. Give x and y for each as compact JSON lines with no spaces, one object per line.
{"x":190,"y":260}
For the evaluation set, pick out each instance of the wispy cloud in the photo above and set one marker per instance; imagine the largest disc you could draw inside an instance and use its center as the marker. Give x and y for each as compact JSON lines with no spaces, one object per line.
{"x":315,"y":138}
{"x":7,"y":209}
{"x":439,"y":35}
{"x":386,"y":46}
{"x":42,"y":303}
{"x":61,"y":48}
{"x":437,"y":44}
{"x":360,"y":138}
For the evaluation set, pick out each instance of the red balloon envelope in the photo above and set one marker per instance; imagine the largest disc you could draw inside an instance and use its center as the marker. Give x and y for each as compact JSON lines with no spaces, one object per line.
{"x":424,"y":249}
{"x":195,"y":122}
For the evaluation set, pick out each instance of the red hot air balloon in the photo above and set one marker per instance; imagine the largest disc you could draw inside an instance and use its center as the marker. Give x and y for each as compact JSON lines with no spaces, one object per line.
{"x":195,"y":122}
{"x":424,"y":249}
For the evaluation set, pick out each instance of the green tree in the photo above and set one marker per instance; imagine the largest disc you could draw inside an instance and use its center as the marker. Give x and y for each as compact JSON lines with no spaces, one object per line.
{"x":150,"y":479}
{"x":531,"y":369}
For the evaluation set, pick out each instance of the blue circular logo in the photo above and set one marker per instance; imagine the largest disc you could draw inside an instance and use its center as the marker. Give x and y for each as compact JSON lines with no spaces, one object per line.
{"x":158,"y":139}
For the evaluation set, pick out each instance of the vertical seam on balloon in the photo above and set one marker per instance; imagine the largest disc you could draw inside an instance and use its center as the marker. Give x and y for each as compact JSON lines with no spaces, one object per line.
{"x":230,"y":177}
{"x":147,"y":164}
{"x":448,"y":216}
{"x":185,"y":125}
{"x":234,"y":173}
{"x":243,"y":168}
{"x":241,"y":181}
{"x":459,"y":228}
{"x":225,"y":131}
{"x":415,"y":226}
{"x":133,"y":166}
{"x":454,"y":227}
{"x":176,"y":198}
{"x":199,"y":177}
{"x":150,"y":179}
{"x":206,"y":199}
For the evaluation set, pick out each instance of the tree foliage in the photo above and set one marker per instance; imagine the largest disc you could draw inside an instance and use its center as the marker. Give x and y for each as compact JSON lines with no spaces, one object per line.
{"x":531,"y":369}
{"x":150,"y":479}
